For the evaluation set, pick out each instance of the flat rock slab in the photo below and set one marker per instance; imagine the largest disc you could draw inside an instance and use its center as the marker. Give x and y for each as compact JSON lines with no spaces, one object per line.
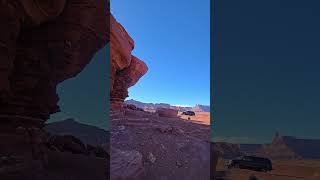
{"x":126,"y":165}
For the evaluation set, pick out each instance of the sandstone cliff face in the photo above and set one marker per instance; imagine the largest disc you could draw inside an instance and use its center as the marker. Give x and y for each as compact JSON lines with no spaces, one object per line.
{"x":42,"y":43}
{"x":46,"y":52}
{"x":125,"y":69}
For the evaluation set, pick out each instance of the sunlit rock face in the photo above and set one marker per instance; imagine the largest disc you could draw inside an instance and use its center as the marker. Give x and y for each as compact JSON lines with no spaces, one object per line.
{"x":125,"y":69}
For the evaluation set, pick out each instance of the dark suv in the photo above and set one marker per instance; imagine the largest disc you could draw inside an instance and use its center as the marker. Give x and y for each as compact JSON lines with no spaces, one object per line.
{"x":251,"y":162}
{"x":189,"y":113}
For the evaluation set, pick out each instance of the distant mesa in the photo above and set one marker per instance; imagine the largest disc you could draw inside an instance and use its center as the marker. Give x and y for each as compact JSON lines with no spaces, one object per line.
{"x":86,"y":133}
{"x":289,"y":147}
{"x":281,"y":147}
{"x":155,"y":106}
{"x":201,"y":108}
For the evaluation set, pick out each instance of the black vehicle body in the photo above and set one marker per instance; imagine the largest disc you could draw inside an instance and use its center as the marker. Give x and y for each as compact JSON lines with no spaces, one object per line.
{"x":189,"y":113}
{"x":252,"y":163}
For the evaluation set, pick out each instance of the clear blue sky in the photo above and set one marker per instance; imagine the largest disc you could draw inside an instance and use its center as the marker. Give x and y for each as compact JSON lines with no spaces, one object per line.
{"x":173,"y":38}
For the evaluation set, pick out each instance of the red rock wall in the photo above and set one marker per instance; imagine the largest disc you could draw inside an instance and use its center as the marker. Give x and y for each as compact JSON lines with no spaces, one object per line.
{"x":43,"y":46}
{"x":42,"y":43}
{"x":126,"y":69}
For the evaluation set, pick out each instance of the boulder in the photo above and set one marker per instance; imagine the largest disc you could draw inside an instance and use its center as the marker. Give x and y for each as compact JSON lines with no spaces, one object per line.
{"x":166,"y":112}
{"x":131,"y":106}
{"x":67,"y":143}
{"x":126,"y":165}
{"x":97,"y":151}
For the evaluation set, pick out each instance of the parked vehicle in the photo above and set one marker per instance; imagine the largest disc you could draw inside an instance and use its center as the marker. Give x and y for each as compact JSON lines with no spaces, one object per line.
{"x":189,"y":113}
{"x":251,"y":162}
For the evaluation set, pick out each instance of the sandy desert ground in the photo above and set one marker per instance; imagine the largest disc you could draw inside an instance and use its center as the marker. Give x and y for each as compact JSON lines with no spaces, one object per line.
{"x":200,"y":117}
{"x":283,"y":170}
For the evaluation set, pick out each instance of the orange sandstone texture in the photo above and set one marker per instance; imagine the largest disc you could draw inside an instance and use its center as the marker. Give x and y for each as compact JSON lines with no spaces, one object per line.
{"x":125,"y":69}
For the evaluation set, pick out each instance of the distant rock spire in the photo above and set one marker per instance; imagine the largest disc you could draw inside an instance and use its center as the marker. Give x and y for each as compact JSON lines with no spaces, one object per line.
{"x":277,"y":138}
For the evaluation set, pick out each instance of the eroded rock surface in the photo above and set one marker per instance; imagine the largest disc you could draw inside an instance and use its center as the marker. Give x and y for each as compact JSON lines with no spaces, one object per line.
{"x":166,"y":112}
{"x":126,"y":165}
{"x":171,"y":148}
{"x":42,"y":43}
{"x":125,"y":69}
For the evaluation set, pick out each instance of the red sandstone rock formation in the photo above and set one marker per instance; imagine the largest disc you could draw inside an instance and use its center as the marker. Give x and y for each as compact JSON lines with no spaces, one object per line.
{"x":46,"y":50}
{"x":125,"y":69}
{"x":42,"y":43}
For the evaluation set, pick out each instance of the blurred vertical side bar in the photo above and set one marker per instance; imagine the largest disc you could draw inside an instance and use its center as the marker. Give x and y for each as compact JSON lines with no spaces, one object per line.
{"x":108,"y":58}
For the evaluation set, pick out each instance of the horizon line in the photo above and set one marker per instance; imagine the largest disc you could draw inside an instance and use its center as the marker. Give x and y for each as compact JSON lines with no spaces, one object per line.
{"x":178,"y":105}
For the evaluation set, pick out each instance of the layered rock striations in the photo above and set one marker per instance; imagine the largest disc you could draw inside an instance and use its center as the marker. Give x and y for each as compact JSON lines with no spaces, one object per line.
{"x":125,"y":69}
{"x":42,"y":43}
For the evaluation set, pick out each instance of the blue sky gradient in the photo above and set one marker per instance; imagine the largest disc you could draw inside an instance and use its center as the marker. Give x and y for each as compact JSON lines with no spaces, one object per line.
{"x":266,"y":69}
{"x":173,"y":39}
